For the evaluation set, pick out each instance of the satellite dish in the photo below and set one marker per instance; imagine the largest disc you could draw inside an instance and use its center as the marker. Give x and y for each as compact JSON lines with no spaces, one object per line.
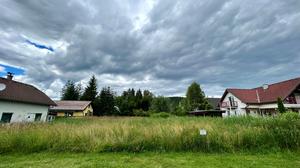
{"x":2,"y":86}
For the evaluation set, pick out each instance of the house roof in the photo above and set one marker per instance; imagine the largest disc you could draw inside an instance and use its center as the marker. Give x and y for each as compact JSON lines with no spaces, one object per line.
{"x":70,"y":105}
{"x":21,"y":92}
{"x":214,"y":102}
{"x":260,"y":95}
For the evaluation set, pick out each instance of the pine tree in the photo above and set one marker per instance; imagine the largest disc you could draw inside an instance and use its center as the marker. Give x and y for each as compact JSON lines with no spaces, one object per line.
{"x":139,"y":94}
{"x":70,"y":91}
{"x":281,"y":108}
{"x":131,"y":101}
{"x":131,"y":93}
{"x":147,"y":99}
{"x":90,"y":92}
{"x":138,"y":99}
{"x":122,"y":103}
{"x":107,"y":102}
{"x":97,"y":111}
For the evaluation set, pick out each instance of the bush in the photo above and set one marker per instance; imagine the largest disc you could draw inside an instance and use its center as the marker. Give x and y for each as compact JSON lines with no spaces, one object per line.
{"x":290,"y":116}
{"x":280,"y":106}
{"x":161,"y":115}
{"x":141,"y":113}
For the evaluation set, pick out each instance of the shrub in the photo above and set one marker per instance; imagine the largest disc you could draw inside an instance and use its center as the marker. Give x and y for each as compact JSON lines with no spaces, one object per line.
{"x":281,"y":108}
{"x":141,"y":113}
{"x":161,"y":115}
{"x":290,"y":116}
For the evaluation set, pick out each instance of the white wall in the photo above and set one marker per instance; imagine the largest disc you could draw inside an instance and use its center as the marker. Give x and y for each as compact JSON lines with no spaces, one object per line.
{"x":239,"y":110}
{"x":21,"y":111}
{"x":253,"y":109}
{"x":297,"y":96}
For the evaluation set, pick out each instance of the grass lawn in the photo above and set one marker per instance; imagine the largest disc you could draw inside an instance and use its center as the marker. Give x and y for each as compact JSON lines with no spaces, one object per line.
{"x":150,"y":159}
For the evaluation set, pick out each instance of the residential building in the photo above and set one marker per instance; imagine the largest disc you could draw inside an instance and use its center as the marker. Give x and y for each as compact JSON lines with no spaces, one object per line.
{"x":214,"y":102}
{"x":20,"y":102}
{"x":70,"y":108}
{"x":262,"y":100}
{"x":214,"y":112}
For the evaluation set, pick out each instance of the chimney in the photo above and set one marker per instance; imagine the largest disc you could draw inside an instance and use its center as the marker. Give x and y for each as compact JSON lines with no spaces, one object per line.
{"x":9,"y":75}
{"x":265,"y":86}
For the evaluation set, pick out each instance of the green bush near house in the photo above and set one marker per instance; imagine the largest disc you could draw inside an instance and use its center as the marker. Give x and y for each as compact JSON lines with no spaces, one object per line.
{"x":280,"y":106}
{"x":158,"y":133}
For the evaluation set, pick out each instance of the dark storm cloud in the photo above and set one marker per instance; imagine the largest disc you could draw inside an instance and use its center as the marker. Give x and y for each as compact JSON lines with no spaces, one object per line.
{"x":43,"y":19}
{"x":161,"y":45}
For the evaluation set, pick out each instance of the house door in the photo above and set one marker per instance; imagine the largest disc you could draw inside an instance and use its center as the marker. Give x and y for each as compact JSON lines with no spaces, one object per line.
{"x":6,"y":117}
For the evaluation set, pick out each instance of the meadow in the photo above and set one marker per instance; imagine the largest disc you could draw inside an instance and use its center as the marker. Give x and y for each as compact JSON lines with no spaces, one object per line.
{"x":150,"y":160}
{"x":149,"y":134}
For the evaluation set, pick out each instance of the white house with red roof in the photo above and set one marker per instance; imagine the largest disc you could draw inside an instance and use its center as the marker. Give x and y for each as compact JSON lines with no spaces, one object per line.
{"x":261,"y":100}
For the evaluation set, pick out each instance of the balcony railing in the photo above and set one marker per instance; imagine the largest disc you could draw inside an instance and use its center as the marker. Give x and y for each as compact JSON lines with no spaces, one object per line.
{"x":291,"y":100}
{"x":227,"y":104}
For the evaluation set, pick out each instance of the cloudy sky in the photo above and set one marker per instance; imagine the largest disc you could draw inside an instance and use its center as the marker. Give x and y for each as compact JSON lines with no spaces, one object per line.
{"x":161,"y":45}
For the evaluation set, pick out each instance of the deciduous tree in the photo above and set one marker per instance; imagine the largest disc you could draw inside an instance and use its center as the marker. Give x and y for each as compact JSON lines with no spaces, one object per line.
{"x":195,"y":98}
{"x":160,"y":104}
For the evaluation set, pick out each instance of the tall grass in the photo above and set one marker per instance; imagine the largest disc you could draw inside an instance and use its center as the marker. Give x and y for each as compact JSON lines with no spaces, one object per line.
{"x":153,"y":134}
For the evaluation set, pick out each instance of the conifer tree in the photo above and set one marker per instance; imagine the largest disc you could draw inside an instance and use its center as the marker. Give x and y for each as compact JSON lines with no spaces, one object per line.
{"x":107,"y":102}
{"x":70,"y":91}
{"x":138,"y":99}
{"x":90,"y":92}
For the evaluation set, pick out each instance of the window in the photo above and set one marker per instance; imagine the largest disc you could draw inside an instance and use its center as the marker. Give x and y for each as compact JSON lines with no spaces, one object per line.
{"x":6,"y":117}
{"x":50,"y":118}
{"x":38,"y":117}
{"x":231,"y":100}
{"x":68,"y":114}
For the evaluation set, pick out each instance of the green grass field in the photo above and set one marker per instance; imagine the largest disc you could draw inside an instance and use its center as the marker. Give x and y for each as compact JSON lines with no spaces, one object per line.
{"x":134,"y":134}
{"x":151,"y":160}
{"x":153,"y":142}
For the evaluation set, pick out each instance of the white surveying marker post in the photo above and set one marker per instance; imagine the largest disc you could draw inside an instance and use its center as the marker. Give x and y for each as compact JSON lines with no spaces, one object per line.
{"x":202,"y":132}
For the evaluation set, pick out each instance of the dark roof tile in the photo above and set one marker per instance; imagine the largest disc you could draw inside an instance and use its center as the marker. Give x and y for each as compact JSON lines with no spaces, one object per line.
{"x":21,"y":92}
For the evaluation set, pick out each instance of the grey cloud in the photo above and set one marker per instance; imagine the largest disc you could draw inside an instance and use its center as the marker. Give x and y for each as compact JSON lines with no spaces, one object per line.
{"x":219,"y":44}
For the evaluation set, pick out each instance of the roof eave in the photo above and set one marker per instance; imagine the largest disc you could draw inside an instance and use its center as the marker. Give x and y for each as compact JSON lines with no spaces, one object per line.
{"x":29,"y":102}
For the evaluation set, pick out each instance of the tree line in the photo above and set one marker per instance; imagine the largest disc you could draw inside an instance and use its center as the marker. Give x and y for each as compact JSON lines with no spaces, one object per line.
{"x":134,"y":102}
